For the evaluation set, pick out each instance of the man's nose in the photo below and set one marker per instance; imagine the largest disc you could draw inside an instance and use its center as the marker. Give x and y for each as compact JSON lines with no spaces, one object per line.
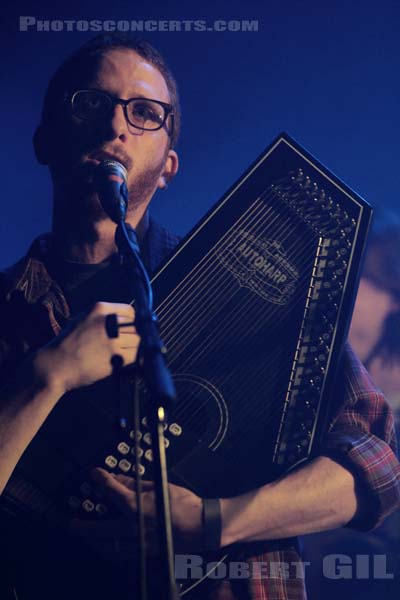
{"x":117,"y":124}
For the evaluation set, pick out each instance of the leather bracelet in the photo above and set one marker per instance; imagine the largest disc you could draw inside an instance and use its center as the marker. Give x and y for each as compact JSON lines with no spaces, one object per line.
{"x":211,"y":518}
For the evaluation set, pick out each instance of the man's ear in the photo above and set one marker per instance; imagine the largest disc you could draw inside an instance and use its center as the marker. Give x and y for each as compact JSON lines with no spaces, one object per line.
{"x":170,"y":169}
{"x":42,"y":144}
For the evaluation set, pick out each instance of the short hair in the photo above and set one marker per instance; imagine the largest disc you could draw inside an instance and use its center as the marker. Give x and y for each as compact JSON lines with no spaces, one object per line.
{"x":78,"y":67}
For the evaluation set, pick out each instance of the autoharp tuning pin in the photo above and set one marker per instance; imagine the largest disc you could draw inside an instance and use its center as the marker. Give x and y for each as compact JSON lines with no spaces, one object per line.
{"x":342,"y":252}
{"x":334,"y":294}
{"x":338,"y":212}
{"x":299,"y":177}
{"x":329,"y":202}
{"x":318,"y":199}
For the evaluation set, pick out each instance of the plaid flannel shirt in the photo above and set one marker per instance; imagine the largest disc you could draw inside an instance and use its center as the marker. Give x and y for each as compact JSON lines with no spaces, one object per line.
{"x":360,"y":435}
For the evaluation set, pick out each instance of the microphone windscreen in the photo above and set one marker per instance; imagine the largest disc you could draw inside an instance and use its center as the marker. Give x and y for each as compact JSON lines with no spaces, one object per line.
{"x":111,"y":179}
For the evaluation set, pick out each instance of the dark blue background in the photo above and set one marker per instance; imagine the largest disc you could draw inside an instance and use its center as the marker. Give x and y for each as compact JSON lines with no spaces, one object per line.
{"x":327,"y":73}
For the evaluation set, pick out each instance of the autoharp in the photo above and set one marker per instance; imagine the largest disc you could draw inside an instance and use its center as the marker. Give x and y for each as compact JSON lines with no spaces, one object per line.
{"x":254,"y":306}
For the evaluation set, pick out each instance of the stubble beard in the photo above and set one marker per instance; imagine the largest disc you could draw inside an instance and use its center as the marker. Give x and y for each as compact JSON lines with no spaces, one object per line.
{"x":143,"y":188}
{"x":81,"y":199}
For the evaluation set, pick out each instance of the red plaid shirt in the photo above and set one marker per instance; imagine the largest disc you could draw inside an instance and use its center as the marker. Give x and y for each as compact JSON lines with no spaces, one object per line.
{"x":360,"y":437}
{"x":361,"y":433}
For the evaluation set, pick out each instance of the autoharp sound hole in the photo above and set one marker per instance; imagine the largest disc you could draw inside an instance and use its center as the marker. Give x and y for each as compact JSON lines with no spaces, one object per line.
{"x":200,"y":409}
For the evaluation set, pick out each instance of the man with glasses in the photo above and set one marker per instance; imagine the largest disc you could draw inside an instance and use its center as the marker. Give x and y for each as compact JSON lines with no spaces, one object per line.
{"x":116,"y":98}
{"x":142,"y":113}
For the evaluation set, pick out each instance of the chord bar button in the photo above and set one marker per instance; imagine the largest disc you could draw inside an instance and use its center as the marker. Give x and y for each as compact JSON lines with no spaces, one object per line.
{"x":123,"y":448}
{"x":111,"y":461}
{"x":175,"y":429}
{"x":141,"y":469}
{"x":88,"y":505}
{"x":101,"y":509}
{"x":140,"y":453}
{"x":124,"y":465}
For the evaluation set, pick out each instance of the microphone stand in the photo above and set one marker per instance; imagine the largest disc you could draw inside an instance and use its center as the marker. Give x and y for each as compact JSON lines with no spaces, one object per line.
{"x":159,"y":382}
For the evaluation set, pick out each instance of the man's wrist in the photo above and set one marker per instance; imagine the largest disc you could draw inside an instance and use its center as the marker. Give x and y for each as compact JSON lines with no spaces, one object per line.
{"x":211,"y":522}
{"x":46,"y":374}
{"x":227,"y":537}
{"x":235,"y":520}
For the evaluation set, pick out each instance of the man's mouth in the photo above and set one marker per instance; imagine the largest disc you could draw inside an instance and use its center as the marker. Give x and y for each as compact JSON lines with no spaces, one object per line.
{"x":101,"y":155}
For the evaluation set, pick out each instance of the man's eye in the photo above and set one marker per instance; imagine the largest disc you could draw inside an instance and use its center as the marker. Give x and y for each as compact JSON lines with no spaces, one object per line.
{"x":93,"y":103}
{"x":144,"y":112}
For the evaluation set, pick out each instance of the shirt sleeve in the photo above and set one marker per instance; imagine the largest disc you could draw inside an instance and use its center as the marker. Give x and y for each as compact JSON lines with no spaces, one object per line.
{"x":361,"y":436}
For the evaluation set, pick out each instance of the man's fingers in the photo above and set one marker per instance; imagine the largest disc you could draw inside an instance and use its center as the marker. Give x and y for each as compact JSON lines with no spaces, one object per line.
{"x":126,"y":318}
{"x":129,"y":330}
{"x":102,"y":476}
{"x":124,"y":313}
{"x":114,"y":488}
{"x":106,"y":479}
{"x":147,"y":485}
{"x":128,"y":342}
{"x":121,"y":489}
{"x":125,"y":333}
{"x":119,"y":308}
{"x":126,"y":480}
{"x":130,"y":483}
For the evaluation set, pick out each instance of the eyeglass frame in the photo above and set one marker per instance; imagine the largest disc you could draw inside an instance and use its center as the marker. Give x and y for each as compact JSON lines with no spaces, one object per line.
{"x":168,"y":108}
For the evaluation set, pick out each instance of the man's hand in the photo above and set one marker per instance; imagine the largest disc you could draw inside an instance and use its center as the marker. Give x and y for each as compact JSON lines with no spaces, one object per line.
{"x":79,"y":356}
{"x":186,"y":516}
{"x":82,"y":353}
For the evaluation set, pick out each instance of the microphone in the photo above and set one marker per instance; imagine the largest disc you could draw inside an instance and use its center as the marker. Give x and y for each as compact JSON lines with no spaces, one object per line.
{"x":111,"y":180}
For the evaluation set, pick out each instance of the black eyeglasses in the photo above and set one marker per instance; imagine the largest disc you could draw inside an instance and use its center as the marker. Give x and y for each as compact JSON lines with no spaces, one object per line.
{"x":142,"y":113}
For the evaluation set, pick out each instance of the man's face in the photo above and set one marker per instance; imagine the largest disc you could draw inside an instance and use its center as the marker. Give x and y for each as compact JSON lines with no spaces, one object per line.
{"x":82,"y":144}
